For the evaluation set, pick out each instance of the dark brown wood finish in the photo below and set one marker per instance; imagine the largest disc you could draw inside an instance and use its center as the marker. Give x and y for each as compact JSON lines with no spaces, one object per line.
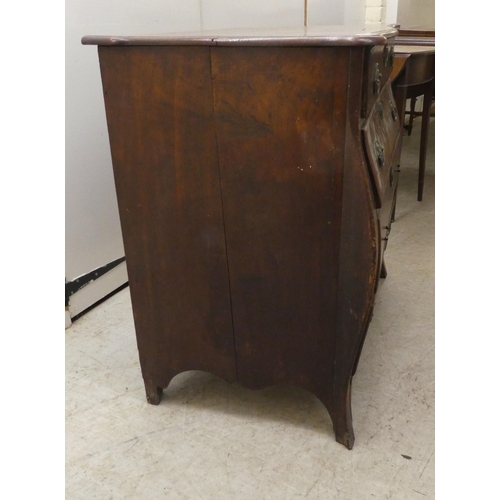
{"x":416,"y":41}
{"x":379,"y":67}
{"x":427,"y":90}
{"x":161,"y":126}
{"x":281,"y":115}
{"x":417,"y":36}
{"x":415,"y":77}
{"x":418,"y":31}
{"x":298,"y":36}
{"x":360,"y":255}
{"x":254,"y":229}
{"x":421,"y":67}
{"x":381,"y":132}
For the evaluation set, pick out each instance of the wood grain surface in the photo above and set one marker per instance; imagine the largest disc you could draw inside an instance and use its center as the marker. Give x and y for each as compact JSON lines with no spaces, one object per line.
{"x":249,"y":211}
{"x":160,"y":119}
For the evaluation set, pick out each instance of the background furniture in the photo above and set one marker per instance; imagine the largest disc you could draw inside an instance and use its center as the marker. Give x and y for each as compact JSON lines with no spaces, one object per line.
{"x":255,"y":174}
{"x":416,"y":35}
{"x":413,"y":76}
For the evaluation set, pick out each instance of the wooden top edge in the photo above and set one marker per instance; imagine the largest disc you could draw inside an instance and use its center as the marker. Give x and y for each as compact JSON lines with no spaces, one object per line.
{"x":403,"y":48}
{"x":313,"y":35}
{"x":421,"y":31}
{"x":418,"y":41}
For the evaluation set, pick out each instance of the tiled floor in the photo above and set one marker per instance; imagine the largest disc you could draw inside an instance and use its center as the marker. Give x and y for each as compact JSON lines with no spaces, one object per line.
{"x":211,"y":440}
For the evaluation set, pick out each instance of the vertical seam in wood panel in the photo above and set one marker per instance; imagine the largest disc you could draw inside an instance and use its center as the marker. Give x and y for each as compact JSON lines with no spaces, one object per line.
{"x":222,"y":208}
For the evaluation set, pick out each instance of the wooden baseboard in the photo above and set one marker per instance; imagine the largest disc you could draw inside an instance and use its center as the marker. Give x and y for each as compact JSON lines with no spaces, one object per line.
{"x":96,"y":290}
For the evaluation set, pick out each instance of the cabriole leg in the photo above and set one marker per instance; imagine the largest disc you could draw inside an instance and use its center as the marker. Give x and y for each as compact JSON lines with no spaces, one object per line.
{"x":341,"y":415}
{"x":153,"y":392}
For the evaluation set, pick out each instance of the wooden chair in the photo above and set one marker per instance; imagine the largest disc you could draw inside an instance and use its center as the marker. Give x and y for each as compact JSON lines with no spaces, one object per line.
{"x":412,"y":113}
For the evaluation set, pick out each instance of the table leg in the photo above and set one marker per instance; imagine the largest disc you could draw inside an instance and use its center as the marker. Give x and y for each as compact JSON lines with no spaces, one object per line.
{"x":412,"y":114}
{"x":426,"y":113}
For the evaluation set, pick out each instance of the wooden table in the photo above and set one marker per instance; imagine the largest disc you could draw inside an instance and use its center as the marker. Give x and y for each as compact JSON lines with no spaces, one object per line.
{"x":256,"y":176}
{"x":417,"y":36}
{"x":412,"y":76}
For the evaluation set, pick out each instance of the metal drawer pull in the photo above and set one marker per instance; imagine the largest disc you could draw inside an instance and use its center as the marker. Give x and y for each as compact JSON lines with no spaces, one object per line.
{"x":379,"y":153}
{"x":389,"y":56}
{"x":376,"y":81}
{"x":380,"y":110}
{"x":394,"y":111}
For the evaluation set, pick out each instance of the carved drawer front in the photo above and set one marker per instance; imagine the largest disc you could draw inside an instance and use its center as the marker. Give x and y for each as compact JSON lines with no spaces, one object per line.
{"x":381,"y":132}
{"x":379,"y":67}
{"x":385,"y":213}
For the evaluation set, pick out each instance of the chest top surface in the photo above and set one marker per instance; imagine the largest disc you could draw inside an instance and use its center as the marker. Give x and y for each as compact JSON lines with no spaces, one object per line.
{"x":296,"y":36}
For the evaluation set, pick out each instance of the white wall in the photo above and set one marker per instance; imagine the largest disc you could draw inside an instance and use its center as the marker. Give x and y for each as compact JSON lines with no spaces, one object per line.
{"x":93,"y":236}
{"x":375,"y":11}
{"x":391,"y":12}
{"x":220,"y":14}
{"x":412,"y":13}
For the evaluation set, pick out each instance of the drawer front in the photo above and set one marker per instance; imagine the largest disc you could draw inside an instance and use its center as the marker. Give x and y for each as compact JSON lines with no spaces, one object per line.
{"x":386,"y":211}
{"x":381,"y":137}
{"x":379,"y":68}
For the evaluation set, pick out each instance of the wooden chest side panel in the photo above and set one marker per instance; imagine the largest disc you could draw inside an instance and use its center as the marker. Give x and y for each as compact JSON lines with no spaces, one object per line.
{"x":359,"y":258}
{"x":160,"y":117}
{"x":280,"y":114}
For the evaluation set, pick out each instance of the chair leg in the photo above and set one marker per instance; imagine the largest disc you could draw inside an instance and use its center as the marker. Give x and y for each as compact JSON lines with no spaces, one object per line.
{"x":412,"y":114}
{"x":426,"y":114}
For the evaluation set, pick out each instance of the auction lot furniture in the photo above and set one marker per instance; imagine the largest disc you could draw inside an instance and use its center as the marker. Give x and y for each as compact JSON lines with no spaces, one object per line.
{"x":413,"y":76}
{"x":256,"y":177}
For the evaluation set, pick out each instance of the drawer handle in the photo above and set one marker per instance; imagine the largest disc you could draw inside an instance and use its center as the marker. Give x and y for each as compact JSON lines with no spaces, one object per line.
{"x":394,"y":111}
{"x":389,"y":56}
{"x":379,"y":153}
{"x":380,"y":110}
{"x":376,"y":81}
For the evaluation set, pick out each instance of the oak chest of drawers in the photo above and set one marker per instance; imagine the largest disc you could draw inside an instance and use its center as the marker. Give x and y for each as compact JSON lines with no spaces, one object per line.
{"x":256,"y":178}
